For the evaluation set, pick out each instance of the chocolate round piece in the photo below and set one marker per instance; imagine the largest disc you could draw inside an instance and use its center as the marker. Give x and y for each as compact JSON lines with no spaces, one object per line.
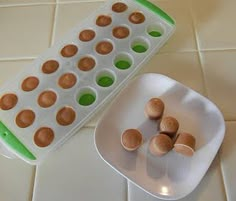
{"x":47,"y":99}
{"x":25,"y":118}
{"x":103,"y":20}
{"x":154,"y":108}
{"x":137,"y":18}
{"x":43,"y":137}
{"x":69,"y":50}
{"x":50,"y":66}
{"x":8,"y":101}
{"x":119,"y":7}
{"x":120,"y":32}
{"x":104,"y":47}
{"x":169,"y":126}
{"x":131,"y":139}
{"x":86,"y":63}
{"x":30,"y":83}
{"x":185,"y":144}
{"x":160,"y":144}
{"x":67,"y":80}
{"x":87,"y":35}
{"x":65,"y":116}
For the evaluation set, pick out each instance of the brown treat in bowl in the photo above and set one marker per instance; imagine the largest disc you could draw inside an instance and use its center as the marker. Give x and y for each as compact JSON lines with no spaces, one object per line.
{"x":154,"y":108}
{"x":87,"y":35}
{"x":185,"y":144}
{"x":69,"y":50}
{"x":103,"y":20}
{"x":8,"y":101}
{"x":169,"y":125}
{"x":25,"y":118}
{"x":119,"y":7}
{"x":30,"y":83}
{"x":131,"y":139}
{"x":104,"y":47}
{"x":50,"y":66}
{"x":86,"y":63}
{"x":120,"y":32}
{"x":137,"y":18}
{"x":65,"y":116}
{"x":160,"y":144}
{"x":67,"y":80}
{"x":43,"y":137}
{"x":47,"y":99}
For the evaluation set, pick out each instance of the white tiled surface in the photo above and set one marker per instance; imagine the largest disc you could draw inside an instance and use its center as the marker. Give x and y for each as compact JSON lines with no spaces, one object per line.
{"x":200,"y":55}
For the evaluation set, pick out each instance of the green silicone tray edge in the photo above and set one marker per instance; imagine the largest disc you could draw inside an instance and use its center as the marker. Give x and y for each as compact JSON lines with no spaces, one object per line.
{"x":156,"y":10}
{"x":10,"y":139}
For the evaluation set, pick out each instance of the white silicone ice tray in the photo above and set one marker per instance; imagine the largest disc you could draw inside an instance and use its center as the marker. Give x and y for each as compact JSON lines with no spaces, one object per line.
{"x":20,"y":141}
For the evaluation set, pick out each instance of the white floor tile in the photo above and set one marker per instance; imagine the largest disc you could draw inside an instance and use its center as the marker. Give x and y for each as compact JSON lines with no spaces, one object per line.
{"x":228,"y":158}
{"x":25,"y":30}
{"x":219,"y":69}
{"x":16,"y":180}
{"x":76,"y":172}
{"x":214,"y":23}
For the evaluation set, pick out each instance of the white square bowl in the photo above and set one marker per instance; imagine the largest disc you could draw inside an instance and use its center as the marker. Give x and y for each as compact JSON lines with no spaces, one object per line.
{"x":172,"y":176}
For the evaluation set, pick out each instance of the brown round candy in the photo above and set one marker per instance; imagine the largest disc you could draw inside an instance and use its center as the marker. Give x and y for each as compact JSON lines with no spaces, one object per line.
{"x":131,"y":139}
{"x":120,"y":32}
{"x":154,"y":108}
{"x":104,"y":47}
{"x":65,"y":116}
{"x":137,"y":18}
{"x":103,"y":20}
{"x":8,"y":101}
{"x":30,"y":83}
{"x":50,"y":66}
{"x":185,"y":144}
{"x":160,"y":144}
{"x":47,"y":99}
{"x":43,"y":137}
{"x":25,"y":118}
{"x":69,"y":50}
{"x":86,"y":63}
{"x":119,"y":7}
{"x":169,"y":125}
{"x":67,"y":80}
{"x":87,"y":35}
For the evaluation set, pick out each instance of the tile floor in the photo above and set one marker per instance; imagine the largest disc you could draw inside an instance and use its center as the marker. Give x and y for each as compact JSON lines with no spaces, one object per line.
{"x":200,"y":55}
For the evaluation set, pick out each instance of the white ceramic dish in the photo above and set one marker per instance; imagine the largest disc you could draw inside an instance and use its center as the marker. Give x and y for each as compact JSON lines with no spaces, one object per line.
{"x":172,"y":176}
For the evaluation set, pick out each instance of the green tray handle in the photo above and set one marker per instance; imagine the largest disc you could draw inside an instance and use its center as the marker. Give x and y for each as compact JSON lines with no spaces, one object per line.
{"x":10,"y":139}
{"x":156,"y":10}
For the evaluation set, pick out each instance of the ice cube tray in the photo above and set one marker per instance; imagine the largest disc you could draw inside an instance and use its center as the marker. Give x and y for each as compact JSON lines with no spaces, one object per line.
{"x":62,"y":89}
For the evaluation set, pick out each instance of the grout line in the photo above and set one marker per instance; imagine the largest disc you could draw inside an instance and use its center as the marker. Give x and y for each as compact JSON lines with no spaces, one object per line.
{"x":17,"y":58}
{"x":82,"y":1}
{"x":47,"y":3}
{"x":32,"y":184}
{"x":27,"y":4}
{"x":223,"y":178}
{"x":218,"y":50}
{"x":198,"y":49}
{"x":54,"y":23}
{"x":230,"y":120}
